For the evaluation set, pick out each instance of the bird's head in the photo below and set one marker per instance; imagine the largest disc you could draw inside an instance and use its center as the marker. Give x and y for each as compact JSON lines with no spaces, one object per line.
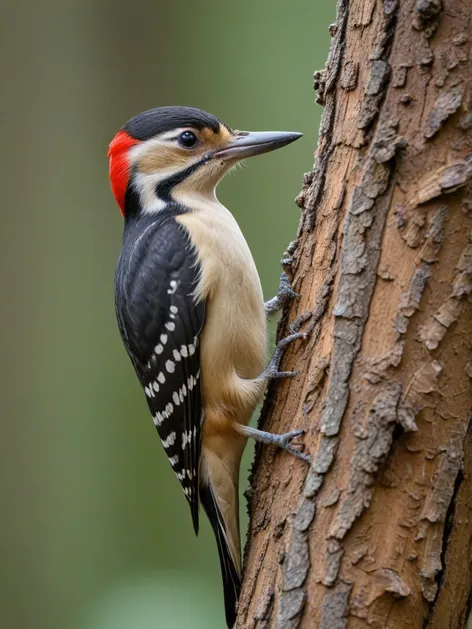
{"x":171,"y":151}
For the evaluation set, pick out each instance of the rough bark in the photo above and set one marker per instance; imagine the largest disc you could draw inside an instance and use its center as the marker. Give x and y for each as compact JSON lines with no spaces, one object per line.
{"x":377,"y":531}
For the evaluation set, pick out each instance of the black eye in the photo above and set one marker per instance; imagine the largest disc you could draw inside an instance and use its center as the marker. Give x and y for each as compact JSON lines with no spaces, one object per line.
{"x":187,"y":139}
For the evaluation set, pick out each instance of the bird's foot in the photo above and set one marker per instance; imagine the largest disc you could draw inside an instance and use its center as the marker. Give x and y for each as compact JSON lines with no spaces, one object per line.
{"x":272,"y":369}
{"x":284,"y":441}
{"x":285,"y":295}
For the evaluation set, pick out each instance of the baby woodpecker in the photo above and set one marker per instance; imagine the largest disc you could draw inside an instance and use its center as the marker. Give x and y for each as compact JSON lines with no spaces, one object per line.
{"x":190,"y":308}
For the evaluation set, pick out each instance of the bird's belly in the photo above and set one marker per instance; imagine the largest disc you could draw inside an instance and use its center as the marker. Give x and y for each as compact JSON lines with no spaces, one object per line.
{"x":234,"y":337}
{"x":233,"y":341}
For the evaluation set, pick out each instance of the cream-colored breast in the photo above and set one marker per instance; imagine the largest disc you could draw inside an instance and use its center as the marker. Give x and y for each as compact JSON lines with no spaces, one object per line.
{"x":234,"y":335}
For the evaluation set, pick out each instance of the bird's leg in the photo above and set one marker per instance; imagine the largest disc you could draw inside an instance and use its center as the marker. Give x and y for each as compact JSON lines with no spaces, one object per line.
{"x":272,"y":371}
{"x":284,"y":296}
{"x":283,"y":441}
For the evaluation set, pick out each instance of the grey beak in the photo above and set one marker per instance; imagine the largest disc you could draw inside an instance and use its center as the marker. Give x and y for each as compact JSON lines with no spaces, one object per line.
{"x":250,"y":143}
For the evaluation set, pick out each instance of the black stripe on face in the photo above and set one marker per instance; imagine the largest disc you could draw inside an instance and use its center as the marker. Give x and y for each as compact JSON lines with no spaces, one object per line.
{"x":162,"y":119}
{"x":163,"y":189}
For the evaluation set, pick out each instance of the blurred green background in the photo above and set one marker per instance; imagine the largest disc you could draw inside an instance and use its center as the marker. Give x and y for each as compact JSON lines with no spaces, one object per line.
{"x":95,"y":532}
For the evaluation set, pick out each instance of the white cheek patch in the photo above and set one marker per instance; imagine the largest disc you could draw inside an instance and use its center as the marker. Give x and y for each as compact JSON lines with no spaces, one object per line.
{"x":145,"y":185}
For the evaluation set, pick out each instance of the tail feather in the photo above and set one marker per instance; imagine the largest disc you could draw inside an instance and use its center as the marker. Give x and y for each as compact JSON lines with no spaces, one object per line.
{"x":229,"y":568}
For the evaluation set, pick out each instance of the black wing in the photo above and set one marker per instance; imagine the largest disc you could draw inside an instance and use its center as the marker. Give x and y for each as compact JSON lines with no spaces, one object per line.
{"x":160,"y":323}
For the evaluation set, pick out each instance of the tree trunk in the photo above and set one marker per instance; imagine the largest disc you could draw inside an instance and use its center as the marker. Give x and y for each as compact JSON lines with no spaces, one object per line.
{"x":377,"y":531}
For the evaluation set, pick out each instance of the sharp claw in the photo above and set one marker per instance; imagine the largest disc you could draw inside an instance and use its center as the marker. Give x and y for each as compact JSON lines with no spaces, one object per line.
{"x":289,"y":293}
{"x":287,"y":438}
{"x":300,"y":455}
{"x":286,"y":292}
{"x":298,"y":322}
{"x":272,"y":368}
{"x":295,"y":433}
{"x":283,"y":440}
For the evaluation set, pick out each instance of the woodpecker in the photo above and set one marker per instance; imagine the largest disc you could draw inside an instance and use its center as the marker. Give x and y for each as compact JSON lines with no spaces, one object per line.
{"x":190,"y":308}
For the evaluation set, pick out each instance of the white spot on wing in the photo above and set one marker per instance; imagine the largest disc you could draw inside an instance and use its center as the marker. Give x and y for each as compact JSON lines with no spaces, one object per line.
{"x":174,"y":309}
{"x":170,"y":366}
{"x":158,"y":419}
{"x":173,"y":287}
{"x":169,"y":441}
{"x":176,"y":354}
{"x":155,"y":386}
{"x":163,"y":339}
{"x":170,"y":325}
{"x":175,"y":397}
{"x":174,"y":460}
{"x":159,"y":349}
{"x":161,"y":377}
{"x":186,"y":439}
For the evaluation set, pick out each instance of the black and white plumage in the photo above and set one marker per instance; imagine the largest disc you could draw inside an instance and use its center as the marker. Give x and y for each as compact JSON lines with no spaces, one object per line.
{"x":160,"y":323}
